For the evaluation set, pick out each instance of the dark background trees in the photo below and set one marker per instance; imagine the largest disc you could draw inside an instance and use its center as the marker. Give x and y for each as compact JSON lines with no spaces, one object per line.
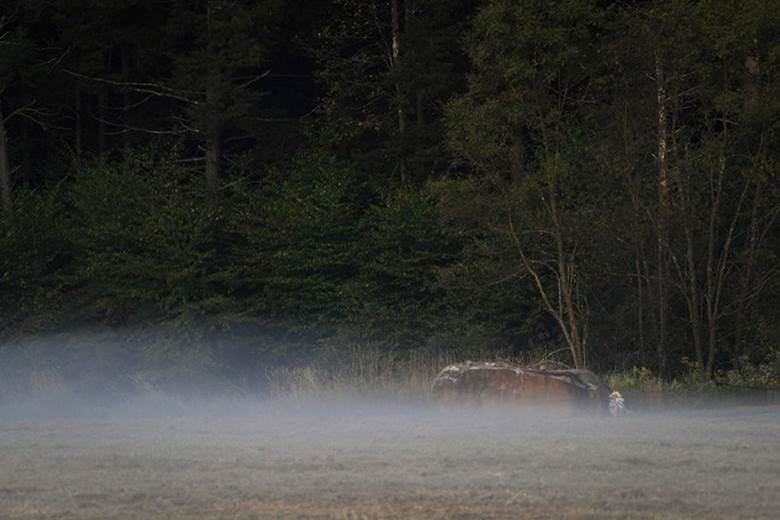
{"x":260,"y":182}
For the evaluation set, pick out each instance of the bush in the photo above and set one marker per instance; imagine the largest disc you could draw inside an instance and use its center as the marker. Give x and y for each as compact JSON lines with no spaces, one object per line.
{"x":36,"y":255}
{"x":638,"y":378}
{"x":762,"y":375}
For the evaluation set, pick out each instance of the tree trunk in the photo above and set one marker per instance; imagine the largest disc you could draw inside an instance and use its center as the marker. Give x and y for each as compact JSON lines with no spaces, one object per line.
{"x":694,"y":310}
{"x":26,"y":156}
{"x":213,"y":153}
{"x":746,"y":276}
{"x":641,"y":272}
{"x":717,"y":269}
{"x":213,"y":148}
{"x":396,"y":61}
{"x":102,"y":102}
{"x":664,"y":215}
{"x":77,"y":126}
{"x":688,"y":275}
{"x":126,"y":103}
{"x":640,"y":257}
{"x":515,"y":159}
{"x":420,"y":93}
{"x":5,"y":169}
{"x":420,"y":111}
{"x":566,"y":283}
{"x":102,"y":109}
{"x":642,"y":275}
{"x":569,"y":314}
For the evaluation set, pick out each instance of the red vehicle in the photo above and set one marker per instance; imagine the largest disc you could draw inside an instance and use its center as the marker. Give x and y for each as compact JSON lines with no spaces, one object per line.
{"x":503,"y":382}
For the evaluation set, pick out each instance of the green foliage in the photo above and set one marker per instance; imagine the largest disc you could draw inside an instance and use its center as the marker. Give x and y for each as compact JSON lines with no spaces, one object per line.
{"x":297,"y":242}
{"x":36,"y":250}
{"x":220,"y":47}
{"x":765,"y":374}
{"x":636,"y":378}
{"x":485,"y":284}
{"x":401,"y":246}
{"x":532,"y":69}
{"x":367,"y":90}
{"x":641,"y":386}
{"x":146,"y":240}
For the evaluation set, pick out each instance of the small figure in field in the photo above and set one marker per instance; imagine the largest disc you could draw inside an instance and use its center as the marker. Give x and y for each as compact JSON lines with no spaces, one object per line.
{"x":617,"y":406}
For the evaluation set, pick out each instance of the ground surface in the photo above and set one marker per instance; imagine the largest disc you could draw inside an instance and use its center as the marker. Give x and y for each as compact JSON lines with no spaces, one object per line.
{"x":359,"y":461}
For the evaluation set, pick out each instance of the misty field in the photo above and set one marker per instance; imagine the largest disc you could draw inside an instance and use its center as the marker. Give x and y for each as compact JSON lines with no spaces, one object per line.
{"x":356,"y":460}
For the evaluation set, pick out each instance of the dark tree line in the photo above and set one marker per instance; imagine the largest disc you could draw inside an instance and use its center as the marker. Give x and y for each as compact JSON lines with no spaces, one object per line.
{"x":251,"y":182}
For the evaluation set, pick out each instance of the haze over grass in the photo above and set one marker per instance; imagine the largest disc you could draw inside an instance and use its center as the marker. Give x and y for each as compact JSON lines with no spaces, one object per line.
{"x":359,"y":459}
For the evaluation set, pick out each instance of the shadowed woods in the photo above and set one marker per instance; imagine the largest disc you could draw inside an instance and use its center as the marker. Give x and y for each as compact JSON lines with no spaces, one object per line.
{"x":258,"y":185}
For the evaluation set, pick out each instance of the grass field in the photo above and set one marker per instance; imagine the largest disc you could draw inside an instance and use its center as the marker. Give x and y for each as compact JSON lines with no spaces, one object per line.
{"x":355,"y":460}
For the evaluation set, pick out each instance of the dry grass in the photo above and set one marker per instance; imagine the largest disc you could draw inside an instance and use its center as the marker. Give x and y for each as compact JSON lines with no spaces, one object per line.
{"x":364,"y":371}
{"x":371,"y":372}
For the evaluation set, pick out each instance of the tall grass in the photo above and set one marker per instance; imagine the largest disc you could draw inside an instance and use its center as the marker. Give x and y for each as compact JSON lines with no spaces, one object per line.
{"x":365,"y":372}
{"x":369,"y":371}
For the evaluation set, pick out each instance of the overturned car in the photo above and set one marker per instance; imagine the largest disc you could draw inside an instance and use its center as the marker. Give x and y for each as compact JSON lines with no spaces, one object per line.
{"x":478,"y":382}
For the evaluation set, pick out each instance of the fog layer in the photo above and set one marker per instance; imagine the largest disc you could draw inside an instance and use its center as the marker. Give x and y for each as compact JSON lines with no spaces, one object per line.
{"x":355,"y":459}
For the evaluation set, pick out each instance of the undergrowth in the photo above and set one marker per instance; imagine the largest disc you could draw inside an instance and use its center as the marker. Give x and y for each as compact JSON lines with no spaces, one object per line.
{"x":745,"y":380}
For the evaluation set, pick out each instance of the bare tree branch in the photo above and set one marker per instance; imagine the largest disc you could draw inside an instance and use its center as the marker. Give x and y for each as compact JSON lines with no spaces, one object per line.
{"x":154,"y":89}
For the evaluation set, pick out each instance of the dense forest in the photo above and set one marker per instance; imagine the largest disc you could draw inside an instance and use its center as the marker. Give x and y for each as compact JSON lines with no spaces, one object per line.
{"x":236,"y":184}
